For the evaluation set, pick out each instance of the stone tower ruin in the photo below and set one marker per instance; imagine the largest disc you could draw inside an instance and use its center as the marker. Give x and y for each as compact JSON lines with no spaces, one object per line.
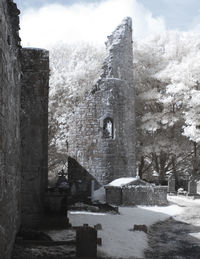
{"x":102,"y":129}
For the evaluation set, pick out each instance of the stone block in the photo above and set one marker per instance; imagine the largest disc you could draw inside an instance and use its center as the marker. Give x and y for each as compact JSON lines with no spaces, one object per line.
{"x":171,"y":184}
{"x":140,"y":228}
{"x":86,"y":242}
{"x":192,"y":187}
{"x":137,"y":195}
{"x":114,"y":195}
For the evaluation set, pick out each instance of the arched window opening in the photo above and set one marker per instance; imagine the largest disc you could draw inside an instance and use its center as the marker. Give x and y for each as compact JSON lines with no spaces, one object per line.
{"x":108,"y":130}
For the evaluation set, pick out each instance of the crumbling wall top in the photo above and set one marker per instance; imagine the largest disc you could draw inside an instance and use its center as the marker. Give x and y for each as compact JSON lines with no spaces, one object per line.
{"x":124,"y":30}
{"x":14,"y":21}
{"x":119,"y":61}
{"x":35,"y":59}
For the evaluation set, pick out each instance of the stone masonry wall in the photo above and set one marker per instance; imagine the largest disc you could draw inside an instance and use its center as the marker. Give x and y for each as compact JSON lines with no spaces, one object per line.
{"x":144,"y":195}
{"x":9,"y":127}
{"x":34,"y":133}
{"x":102,"y":130}
{"x":137,"y":195}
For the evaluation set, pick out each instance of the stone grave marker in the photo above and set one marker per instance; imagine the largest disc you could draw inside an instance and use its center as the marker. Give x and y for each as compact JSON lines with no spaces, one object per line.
{"x":86,"y":242}
{"x":171,"y":184}
{"x":192,"y":186}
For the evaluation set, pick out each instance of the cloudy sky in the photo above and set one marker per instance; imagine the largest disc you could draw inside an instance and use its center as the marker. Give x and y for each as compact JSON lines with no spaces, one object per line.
{"x":46,"y":22}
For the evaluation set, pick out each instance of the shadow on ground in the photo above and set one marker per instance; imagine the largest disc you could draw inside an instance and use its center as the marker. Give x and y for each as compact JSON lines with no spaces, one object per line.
{"x":170,"y":239}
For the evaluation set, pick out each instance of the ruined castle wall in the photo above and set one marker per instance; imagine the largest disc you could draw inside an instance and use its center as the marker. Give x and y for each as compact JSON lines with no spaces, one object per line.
{"x":34,"y":133}
{"x":9,"y":127}
{"x":102,"y":129}
{"x":105,"y":158}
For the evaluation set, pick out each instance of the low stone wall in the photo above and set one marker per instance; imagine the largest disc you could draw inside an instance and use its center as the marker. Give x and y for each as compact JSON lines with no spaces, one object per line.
{"x":144,"y":195}
{"x":137,"y":195}
{"x":114,"y":195}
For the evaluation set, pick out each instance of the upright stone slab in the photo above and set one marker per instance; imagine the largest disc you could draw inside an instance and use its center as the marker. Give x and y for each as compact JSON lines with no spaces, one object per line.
{"x":171,"y":184}
{"x":56,"y":208}
{"x":192,"y":187}
{"x":86,"y":242}
{"x":198,"y":187}
{"x":102,"y":129}
{"x":9,"y":126}
{"x":34,"y":133}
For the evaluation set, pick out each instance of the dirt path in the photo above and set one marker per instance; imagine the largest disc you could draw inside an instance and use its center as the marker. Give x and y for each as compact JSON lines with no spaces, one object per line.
{"x":171,"y":239}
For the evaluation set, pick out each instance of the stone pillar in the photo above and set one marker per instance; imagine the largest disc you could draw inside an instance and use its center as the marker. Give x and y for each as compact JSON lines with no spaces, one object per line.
{"x":10,"y":171}
{"x":171,"y":184}
{"x":86,"y":242}
{"x":34,"y":133}
{"x":192,"y":187}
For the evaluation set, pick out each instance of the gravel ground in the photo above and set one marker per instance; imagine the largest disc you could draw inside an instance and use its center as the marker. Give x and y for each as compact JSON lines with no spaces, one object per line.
{"x":171,"y":239}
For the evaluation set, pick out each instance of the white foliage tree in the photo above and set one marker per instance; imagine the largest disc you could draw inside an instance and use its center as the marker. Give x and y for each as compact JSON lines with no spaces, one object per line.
{"x":182,"y":79}
{"x":166,"y":72}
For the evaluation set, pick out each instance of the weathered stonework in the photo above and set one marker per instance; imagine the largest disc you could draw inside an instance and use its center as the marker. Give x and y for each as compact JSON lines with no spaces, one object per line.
{"x":171,"y":184}
{"x":137,"y":195}
{"x":192,"y":187}
{"x":24,"y":78}
{"x":102,"y":130}
{"x":9,"y":127}
{"x":34,"y":133}
{"x":145,"y":195}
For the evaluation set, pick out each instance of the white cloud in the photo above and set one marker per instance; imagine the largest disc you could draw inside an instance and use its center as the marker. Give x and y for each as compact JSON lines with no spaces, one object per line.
{"x":195,"y":24}
{"x":84,"y":22}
